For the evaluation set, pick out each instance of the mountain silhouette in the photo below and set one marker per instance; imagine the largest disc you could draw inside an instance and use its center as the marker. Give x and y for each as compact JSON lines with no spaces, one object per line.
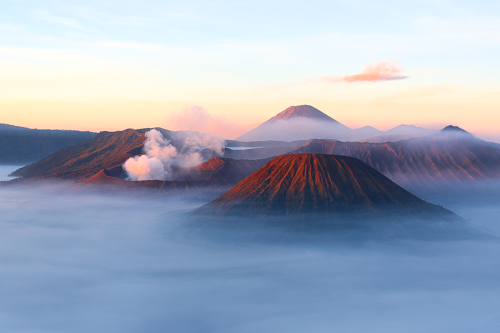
{"x":304,"y":122}
{"x":451,"y":128}
{"x":21,"y":145}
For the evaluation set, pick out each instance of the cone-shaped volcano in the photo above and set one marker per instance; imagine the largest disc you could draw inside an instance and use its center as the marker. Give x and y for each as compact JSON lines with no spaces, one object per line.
{"x":305,"y":111}
{"x":301,"y":122}
{"x":310,"y":183}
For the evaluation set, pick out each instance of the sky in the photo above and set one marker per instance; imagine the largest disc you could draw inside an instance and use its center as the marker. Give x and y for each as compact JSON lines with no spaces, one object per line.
{"x":231,"y":65}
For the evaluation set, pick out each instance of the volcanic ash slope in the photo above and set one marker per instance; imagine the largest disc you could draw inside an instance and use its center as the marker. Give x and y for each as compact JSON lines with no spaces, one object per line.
{"x":298,"y":184}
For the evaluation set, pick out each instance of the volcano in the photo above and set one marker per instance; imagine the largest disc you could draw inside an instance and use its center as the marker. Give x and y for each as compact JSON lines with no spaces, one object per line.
{"x":454,"y":129}
{"x":305,"y":111}
{"x":298,"y":123}
{"x":448,"y":158}
{"x":105,"y":151}
{"x":313,"y":183}
{"x":451,"y":156}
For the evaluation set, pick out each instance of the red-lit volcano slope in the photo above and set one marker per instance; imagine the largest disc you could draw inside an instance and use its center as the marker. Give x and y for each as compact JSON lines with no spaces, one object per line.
{"x":313,"y":183}
{"x":449,"y":157}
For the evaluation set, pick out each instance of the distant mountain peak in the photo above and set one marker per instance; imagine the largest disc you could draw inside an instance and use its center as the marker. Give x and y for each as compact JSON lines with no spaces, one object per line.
{"x":305,"y":111}
{"x":455,"y":132}
{"x":300,"y":122}
{"x":451,"y":128}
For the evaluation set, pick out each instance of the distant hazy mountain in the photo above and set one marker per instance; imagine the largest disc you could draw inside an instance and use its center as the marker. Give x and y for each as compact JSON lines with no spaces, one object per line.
{"x":364,"y":132}
{"x":304,"y":122}
{"x":455,"y":130}
{"x":297,"y":123}
{"x":398,"y":133}
{"x":410,"y":130}
{"x":21,"y":145}
{"x":302,"y":111}
{"x":315,"y":183}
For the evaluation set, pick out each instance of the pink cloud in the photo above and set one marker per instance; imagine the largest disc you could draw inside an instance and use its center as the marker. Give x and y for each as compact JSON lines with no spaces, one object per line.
{"x":197,"y":118}
{"x":382,"y":71}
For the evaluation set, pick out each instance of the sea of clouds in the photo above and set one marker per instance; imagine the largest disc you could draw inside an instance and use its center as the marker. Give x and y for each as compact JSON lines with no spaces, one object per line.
{"x":86,"y":262}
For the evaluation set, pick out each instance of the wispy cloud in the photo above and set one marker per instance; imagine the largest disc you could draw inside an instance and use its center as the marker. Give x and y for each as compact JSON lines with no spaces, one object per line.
{"x":382,"y":71}
{"x":66,"y":21}
{"x":153,"y":48}
{"x":134,"y":46}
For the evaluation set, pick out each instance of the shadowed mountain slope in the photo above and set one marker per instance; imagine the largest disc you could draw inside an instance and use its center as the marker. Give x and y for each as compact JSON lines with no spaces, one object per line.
{"x":226,"y":170}
{"x":217,"y":174}
{"x":314,"y":183}
{"x":258,"y":153}
{"x":221,"y":172}
{"x":421,"y":161}
{"x":26,"y":145}
{"x":105,"y":151}
{"x":108,"y":150}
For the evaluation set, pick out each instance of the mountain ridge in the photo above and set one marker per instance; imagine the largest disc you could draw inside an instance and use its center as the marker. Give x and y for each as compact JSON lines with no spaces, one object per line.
{"x":105,"y":151}
{"x":305,"y":122}
{"x":22,"y":145}
{"x":420,"y":161}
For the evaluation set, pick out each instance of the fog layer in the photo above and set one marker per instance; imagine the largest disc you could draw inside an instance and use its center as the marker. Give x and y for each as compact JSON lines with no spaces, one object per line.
{"x":6,"y":170}
{"x":91,"y":263}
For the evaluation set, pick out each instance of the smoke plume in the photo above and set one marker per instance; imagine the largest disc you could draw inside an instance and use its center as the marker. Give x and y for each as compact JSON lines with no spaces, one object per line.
{"x":161,"y":154}
{"x":197,"y":118}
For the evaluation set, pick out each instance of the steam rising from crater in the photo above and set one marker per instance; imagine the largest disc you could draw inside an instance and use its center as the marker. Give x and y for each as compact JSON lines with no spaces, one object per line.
{"x":161,"y":154}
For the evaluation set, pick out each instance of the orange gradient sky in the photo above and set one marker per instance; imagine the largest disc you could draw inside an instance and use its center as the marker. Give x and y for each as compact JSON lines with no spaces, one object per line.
{"x":98,"y":67}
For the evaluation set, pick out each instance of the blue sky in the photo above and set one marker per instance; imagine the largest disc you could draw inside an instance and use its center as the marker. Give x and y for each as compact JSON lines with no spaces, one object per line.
{"x":245,"y":61}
